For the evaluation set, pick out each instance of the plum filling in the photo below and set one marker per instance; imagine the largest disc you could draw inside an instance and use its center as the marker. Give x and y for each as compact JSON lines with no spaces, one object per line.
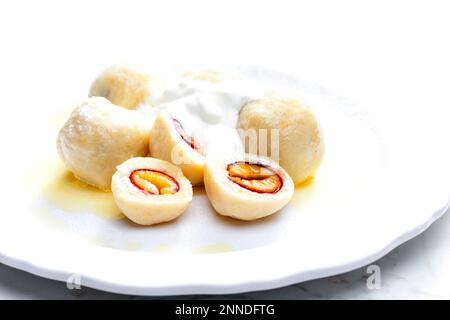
{"x":187,"y":138}
{"x":254,"y":177}
{"x":153,"y":182}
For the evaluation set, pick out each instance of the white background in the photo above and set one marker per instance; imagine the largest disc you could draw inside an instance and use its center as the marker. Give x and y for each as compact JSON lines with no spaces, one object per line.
{"x":393,"y":54}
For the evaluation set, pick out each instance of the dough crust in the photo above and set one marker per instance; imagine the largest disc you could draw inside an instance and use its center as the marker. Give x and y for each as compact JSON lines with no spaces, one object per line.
{"x":301,"y":146}
{"x":97,"y":137}
{"x":125,"y":86}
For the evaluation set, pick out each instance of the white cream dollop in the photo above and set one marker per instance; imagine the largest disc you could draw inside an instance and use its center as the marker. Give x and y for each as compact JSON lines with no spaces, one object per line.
{"x":208,"y":111}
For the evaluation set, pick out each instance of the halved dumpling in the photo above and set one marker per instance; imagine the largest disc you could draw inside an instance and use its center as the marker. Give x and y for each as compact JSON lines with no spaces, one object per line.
{"x":169,"y":141}
{"x":150,"y":191}
{"x":247,"y":187}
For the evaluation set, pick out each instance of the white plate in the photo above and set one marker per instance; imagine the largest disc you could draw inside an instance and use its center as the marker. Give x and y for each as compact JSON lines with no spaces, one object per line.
{"x":381,"y":183}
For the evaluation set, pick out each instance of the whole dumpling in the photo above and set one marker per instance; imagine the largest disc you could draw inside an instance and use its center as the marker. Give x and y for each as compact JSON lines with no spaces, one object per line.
{"x":97,"y":137}
{"x":301,"y":146}
{"x":126,"y":86}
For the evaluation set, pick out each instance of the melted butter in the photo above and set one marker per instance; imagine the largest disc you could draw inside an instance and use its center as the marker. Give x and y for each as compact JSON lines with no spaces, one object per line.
{"x":164,"y":248}
{"x":213,"y":248}
{"x":306,"y":183}
{"x":303,"y":191}
{"x":132,"y":246}
{"x":70,"y":194}
{"x":100,"y":242}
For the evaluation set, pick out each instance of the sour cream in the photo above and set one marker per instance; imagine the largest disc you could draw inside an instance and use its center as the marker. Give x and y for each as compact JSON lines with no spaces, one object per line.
{"x":208,"y":111}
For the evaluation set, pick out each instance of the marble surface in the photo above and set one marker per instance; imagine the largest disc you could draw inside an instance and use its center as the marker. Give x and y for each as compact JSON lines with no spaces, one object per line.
{"x":418,"y":269}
